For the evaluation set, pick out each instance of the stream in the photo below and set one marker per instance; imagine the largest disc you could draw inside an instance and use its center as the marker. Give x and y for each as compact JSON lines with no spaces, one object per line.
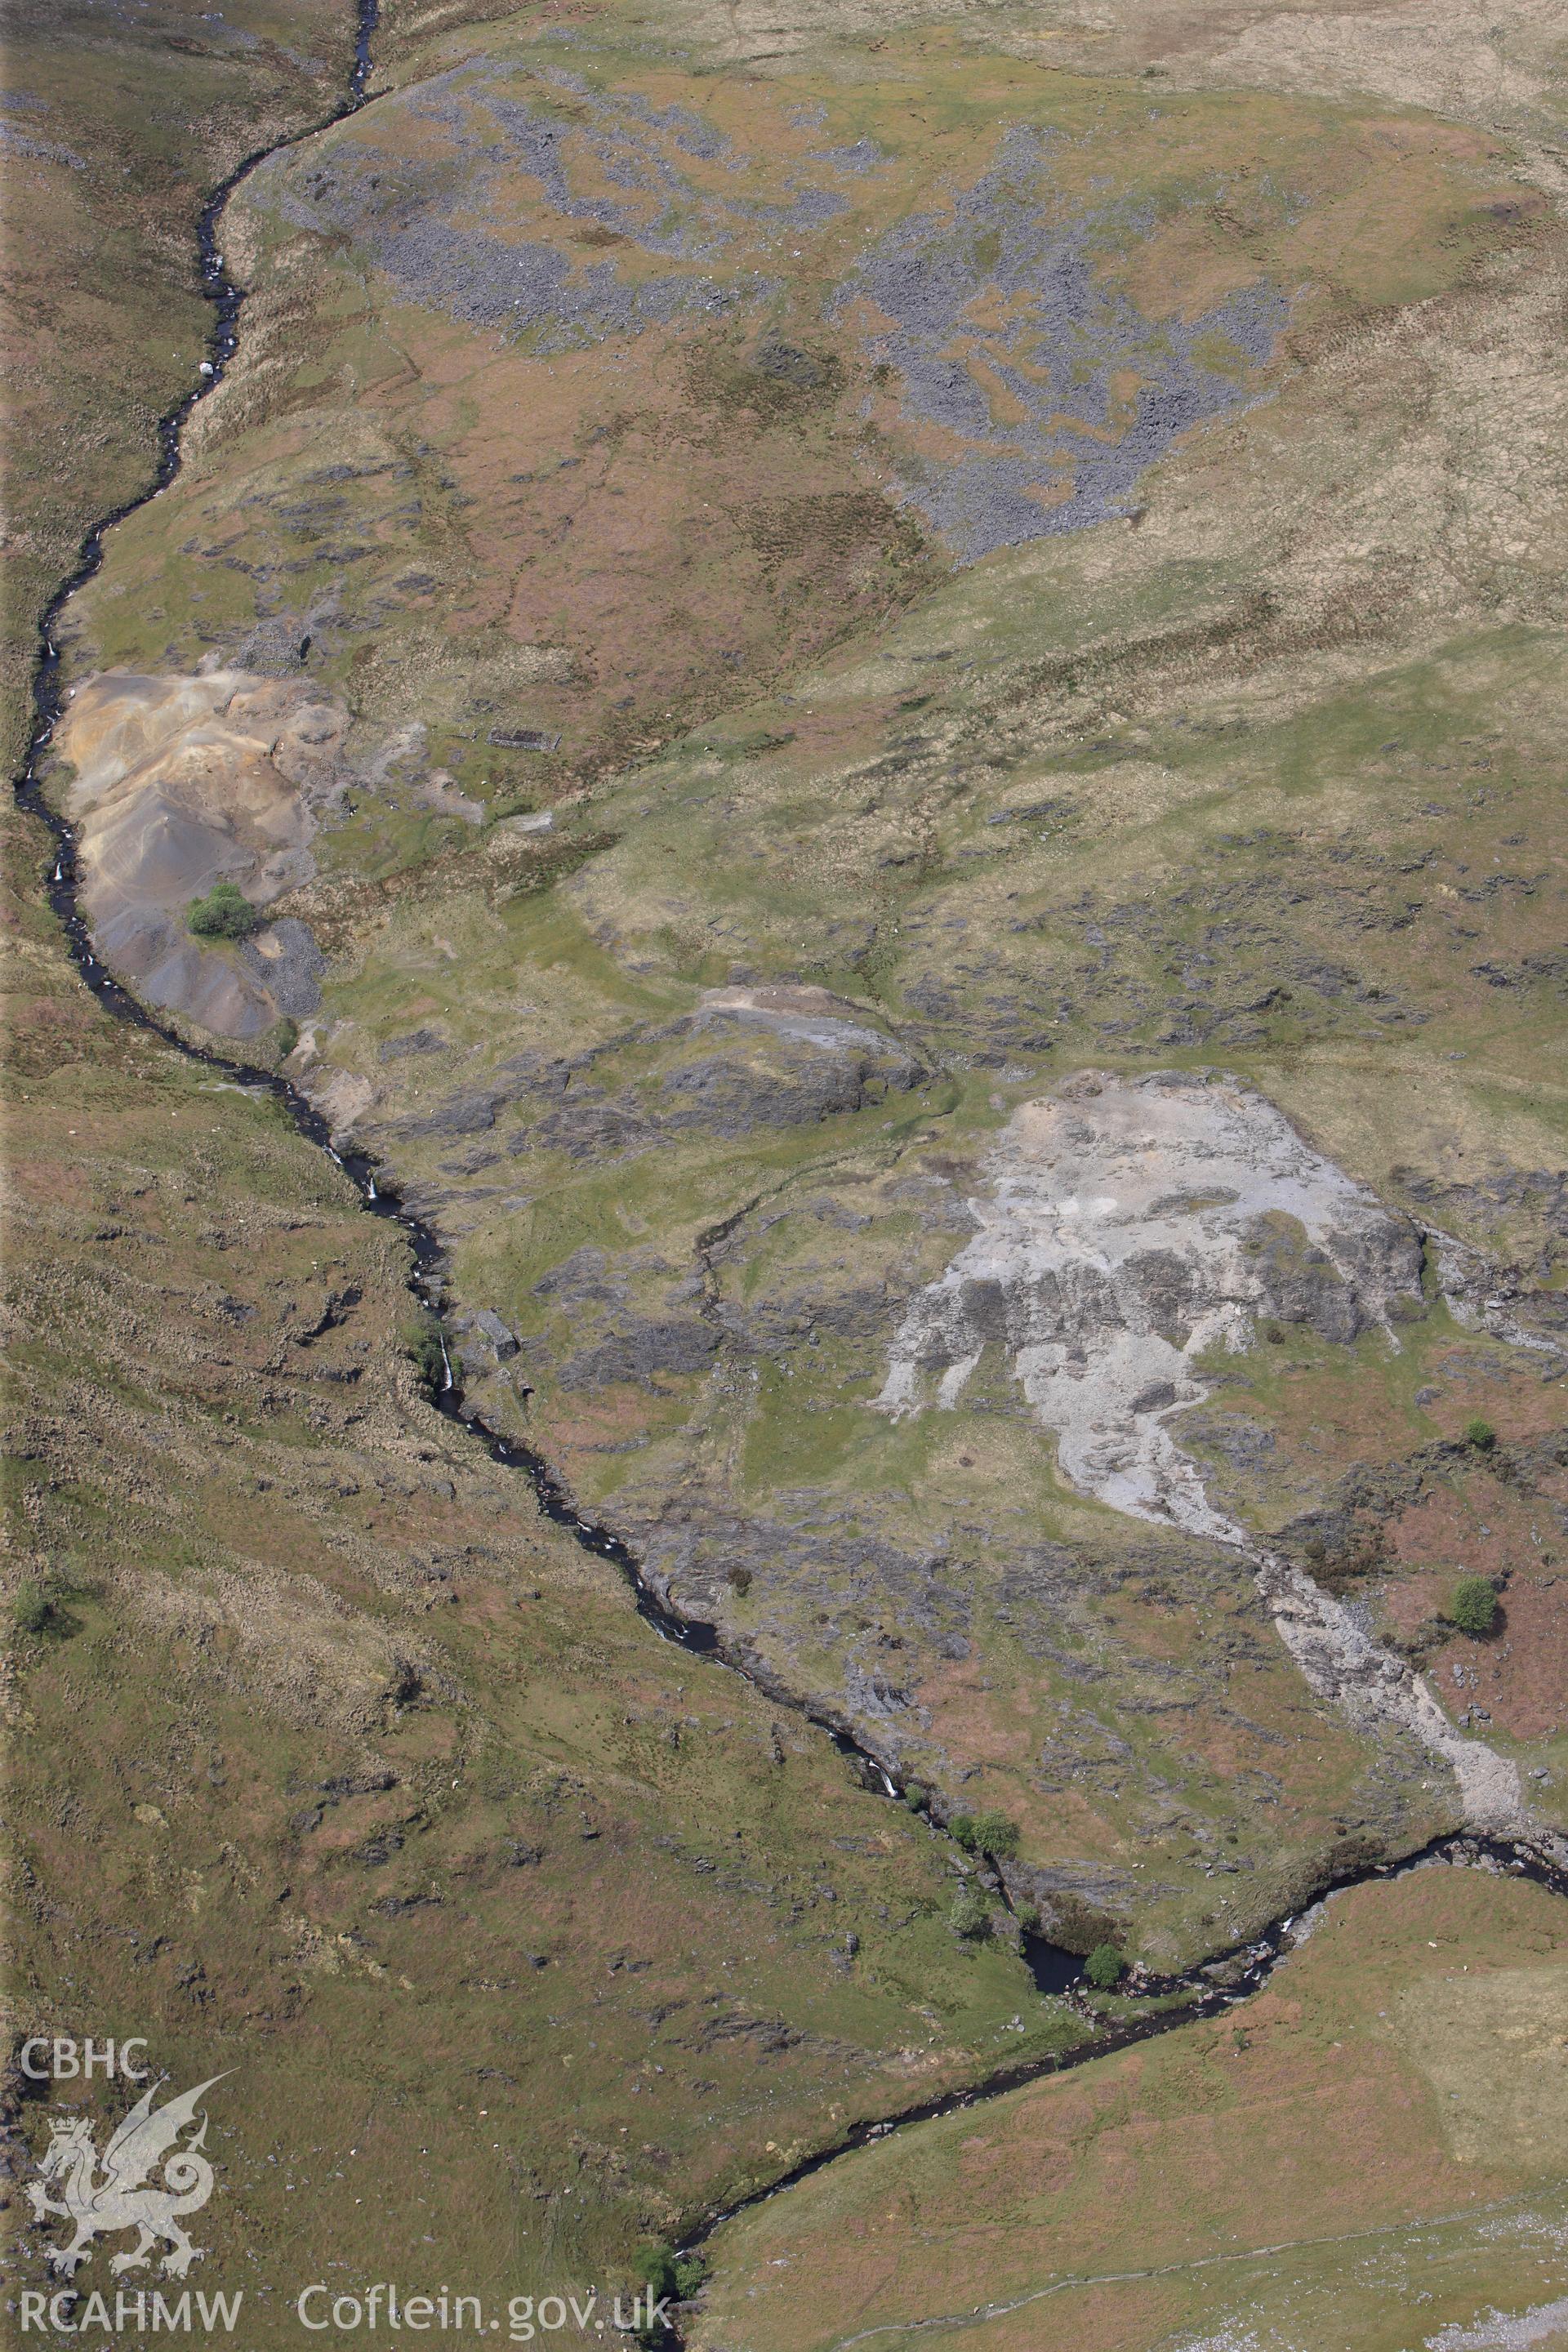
{"x":1224,"y":1978}
{"x":1219,"y":1983}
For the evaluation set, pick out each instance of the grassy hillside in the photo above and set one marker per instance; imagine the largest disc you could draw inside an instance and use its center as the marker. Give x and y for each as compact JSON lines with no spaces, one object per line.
{"x":1009,"y":547}
{"x":766,"y":610}
{"x":1366,"y":2155}
{"x":525,"y":1935}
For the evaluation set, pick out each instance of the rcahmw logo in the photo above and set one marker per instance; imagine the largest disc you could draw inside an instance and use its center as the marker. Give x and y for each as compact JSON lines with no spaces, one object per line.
{"x":145,"y":2180}
{"x":130,"y":2311}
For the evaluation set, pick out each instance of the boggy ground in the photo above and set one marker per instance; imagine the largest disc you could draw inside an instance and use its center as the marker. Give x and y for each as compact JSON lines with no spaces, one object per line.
{"x":696,"y":1061}
{"x":1367,"y":2155}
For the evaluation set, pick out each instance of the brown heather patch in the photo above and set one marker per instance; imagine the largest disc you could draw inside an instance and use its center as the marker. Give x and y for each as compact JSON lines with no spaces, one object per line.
{"x":1519,"y":1671}
{"x":1482,"y":1526}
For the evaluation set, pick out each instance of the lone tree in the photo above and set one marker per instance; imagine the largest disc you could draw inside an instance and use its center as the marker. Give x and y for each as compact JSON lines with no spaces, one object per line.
{"x":226,"y":913}
{"x":995,"y":1835}
{"x":971,"y":1918}
{"x":1473,"y":1607}
{"x":32,"y":1610}
{"x":1480,"y":1434}
{"x":1103,"y":1967}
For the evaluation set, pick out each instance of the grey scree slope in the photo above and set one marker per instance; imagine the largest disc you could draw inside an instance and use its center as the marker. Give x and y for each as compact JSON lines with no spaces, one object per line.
{"x":996,"y":285}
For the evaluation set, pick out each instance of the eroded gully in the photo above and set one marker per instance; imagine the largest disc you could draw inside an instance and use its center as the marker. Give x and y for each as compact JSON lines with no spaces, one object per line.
{"x":1229,"y":1975}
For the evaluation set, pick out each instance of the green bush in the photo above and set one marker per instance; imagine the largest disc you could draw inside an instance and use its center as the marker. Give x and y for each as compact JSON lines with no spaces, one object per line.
{"x":1473,"y":1607}
{"x":669,"y":2276}
{"x":421,"y":1345}
{"x":1028,"y":1918}
{"x":916,"y":1797}
{"x":226,"y":913}
{"x":972,"y":1917}
{"x":1480,"y":1434}
{"x":32,"y":1608}
{"x":990,"y":1832}
{"x":1103,"y":1967}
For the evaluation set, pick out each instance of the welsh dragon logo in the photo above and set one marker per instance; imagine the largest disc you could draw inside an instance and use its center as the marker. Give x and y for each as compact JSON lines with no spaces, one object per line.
{"x":121,"y":2194}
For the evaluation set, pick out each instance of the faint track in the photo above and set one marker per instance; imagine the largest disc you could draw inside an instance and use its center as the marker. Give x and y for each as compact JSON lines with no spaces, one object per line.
{"x":983,"y":2314}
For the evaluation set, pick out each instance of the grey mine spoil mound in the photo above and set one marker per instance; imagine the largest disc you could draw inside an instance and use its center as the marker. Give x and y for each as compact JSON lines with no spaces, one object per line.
{"x":1133,"y":1226}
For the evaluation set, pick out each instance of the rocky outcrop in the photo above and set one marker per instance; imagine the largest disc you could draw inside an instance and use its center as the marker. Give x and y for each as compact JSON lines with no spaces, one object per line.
{"x":781,"y":1056}
{"x":1485,"y":1297}
{"x":480,"y":1341}
{"x":744,"y":1058}
{"x":639,"y":1349}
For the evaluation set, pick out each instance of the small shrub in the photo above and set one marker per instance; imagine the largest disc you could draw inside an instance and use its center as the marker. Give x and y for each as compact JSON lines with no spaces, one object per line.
{"x":961,"y":1829}
{"x":421,"y":1345}
{"x":32,"y":1608}
{"x":916,"y":1797}
{"x":226,"y":913}
{"x":995,"y":1835}
{"x":1028,"y":1918}
{"x":739,"y":1580}
{"x":669,"y":2276}
{"x":971,"y":1918}
{"x":1480,"y":1434}
{"x":1103,"y":1967}
{"x":656,"y":2269}
{"x":1473,"y":1606}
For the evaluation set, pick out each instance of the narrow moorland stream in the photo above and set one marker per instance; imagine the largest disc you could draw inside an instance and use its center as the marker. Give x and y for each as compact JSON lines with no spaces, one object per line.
{"x":1224,"y":1978}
